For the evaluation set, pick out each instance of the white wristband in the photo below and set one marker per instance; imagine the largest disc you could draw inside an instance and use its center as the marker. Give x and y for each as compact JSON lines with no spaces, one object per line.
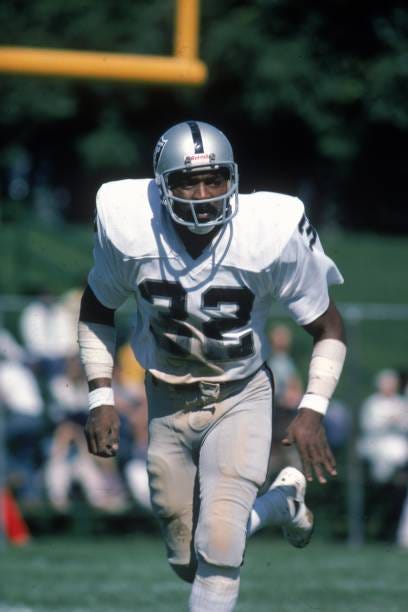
{"x":96,"y":349}
{"x":318,"y":403}
{"x":103,"y":396}
{"x":325,"y":367}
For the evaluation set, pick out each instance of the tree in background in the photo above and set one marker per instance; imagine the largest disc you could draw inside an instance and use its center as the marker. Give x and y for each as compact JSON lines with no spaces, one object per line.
{"x":312,"y":96}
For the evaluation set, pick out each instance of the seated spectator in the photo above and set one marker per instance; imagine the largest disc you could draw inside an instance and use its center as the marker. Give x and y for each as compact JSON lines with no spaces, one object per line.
{"x":288,"y":393}
{"x":129,"y":373}
{"x":68,"y":393}
{"x":338,"y":424}
{"x":384,"y":428}
{"x":10,"y":349}
{"x":23,"y":408}
{"x":48,"y":333}
{"x":285,"y":410}
{"x":69,"y":462}
{"x":131,"y":403}
{"x":280,"y":361}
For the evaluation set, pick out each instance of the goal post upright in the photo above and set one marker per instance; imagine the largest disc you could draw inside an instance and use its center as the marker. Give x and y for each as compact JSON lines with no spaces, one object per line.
{"x":186,"y":29}
{"x":183,"y":68}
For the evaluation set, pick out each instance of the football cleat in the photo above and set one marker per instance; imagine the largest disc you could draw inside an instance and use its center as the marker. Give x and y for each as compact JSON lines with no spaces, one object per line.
{"x":298,"y":531}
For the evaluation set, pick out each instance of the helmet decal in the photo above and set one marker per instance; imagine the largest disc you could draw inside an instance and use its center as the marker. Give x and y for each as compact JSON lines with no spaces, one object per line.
{"x":197,"y":138}
{"x":158,"y":151}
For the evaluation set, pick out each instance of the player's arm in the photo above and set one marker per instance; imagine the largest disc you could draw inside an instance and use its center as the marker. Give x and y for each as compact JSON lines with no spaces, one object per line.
{"x":97,"y":338}
{"x":307,"y":430}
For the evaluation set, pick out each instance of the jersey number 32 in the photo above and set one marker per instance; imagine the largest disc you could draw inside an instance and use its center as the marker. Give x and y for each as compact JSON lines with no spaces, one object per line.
{"x":214,"y":339}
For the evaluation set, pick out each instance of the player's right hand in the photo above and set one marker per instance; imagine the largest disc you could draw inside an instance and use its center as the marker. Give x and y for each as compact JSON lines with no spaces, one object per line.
{"x":307,"y":432}
{"x":102,"y":431}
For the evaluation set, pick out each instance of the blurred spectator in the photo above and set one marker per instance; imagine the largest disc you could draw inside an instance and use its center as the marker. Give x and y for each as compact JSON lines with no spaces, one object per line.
{"x":280,"y":361}
{"x":69,"y":463}
{"x":70,"y":302}
{"x":384,"y":428}
{"x":288,"y":392}
{"x":48,"y":332}
{"x":46,"y":447}
{"x":10,"y":349}
{"x":69,"y":393}
{"x":384,"y":445}
{"x":22,"y":406}
{"x":338,"y":424}
{"x":131,"y":403}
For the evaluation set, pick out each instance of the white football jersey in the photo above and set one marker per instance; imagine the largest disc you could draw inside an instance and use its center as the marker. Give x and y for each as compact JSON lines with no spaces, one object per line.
{"x":204,"y":318}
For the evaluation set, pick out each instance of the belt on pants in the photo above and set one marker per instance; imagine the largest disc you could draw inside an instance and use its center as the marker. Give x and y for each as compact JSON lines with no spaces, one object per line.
{"x":205,"y":388}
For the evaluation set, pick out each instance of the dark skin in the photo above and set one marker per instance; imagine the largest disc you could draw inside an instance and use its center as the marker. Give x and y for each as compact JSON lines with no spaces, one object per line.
{"x":306,"y":430}
{"x":198,"y":187}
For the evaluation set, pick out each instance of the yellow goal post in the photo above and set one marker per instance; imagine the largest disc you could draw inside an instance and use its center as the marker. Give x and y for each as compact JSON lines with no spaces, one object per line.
{"x":182,"y":68}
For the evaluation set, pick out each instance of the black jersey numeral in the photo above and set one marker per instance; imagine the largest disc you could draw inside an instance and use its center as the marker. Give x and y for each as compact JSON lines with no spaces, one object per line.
{"x":218,"y":346}
{"x":173,"y":333}
{"x":308,"y":231}
{"x":169,"y":297}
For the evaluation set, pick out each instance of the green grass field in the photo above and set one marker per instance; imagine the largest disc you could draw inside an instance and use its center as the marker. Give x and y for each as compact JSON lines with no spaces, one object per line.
{"x":129,"y":574}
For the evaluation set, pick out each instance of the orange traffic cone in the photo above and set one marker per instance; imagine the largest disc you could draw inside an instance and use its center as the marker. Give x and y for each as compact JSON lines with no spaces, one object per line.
{"x":13,"y":523}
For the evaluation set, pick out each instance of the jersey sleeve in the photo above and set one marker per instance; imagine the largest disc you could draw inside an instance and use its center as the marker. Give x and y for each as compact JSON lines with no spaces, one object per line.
{"x":303,"y":274}
{"x":106,"y":277}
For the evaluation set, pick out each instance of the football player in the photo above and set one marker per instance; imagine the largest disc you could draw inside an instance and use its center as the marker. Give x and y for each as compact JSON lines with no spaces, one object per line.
{"x":203,"y":275}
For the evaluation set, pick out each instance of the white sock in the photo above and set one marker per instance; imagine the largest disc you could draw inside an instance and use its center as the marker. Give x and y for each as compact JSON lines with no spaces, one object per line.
{"x":215,"y":589}
{"x":272,"y":508}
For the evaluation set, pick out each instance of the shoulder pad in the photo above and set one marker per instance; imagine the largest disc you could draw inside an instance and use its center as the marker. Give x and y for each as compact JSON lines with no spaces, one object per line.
{"x":263,"y":226}
{"x":126,"y":211}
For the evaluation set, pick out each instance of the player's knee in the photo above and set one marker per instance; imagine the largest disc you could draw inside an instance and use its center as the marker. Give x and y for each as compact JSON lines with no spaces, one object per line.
{"x":185,"y":572}
{"x":220,"y":542}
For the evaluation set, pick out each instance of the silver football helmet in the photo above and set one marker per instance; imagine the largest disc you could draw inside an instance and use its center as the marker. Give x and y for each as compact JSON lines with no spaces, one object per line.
{"x":189,"y":147}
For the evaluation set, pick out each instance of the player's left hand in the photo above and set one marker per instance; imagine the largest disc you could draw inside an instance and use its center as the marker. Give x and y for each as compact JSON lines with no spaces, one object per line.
{"x":307,"y":432}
